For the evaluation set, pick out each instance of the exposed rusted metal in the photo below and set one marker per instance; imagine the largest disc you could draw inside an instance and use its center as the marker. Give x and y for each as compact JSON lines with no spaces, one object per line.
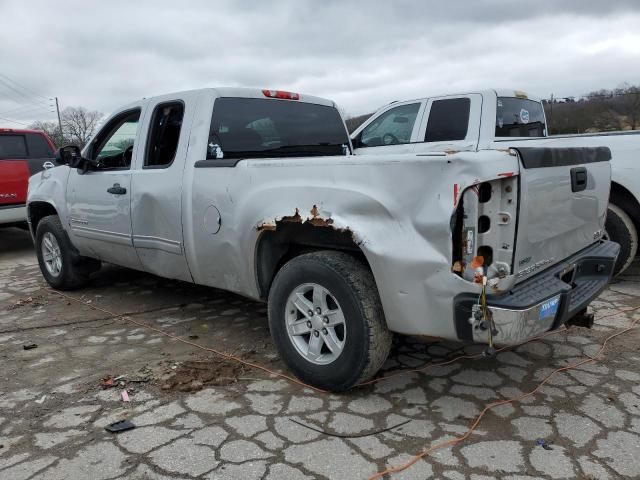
{"x":315,"y":220}
{"x":295,"y":218}
{"x":266,"y":226}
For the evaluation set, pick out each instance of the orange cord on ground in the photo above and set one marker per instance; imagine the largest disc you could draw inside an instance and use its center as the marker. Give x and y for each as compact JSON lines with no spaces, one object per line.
{"x":491,"y":405}
{"x":425,"y":452}
{"x":228,"y":356}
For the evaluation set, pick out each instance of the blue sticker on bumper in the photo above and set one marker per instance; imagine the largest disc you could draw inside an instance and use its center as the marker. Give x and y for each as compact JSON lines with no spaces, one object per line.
{"x":549,"y":308}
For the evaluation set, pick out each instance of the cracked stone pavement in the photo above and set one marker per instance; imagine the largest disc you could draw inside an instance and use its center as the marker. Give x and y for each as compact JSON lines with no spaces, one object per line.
{"x":236,"y":423}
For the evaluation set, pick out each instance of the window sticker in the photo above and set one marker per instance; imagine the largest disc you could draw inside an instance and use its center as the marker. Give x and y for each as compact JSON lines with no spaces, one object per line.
{"x":524,"y":116}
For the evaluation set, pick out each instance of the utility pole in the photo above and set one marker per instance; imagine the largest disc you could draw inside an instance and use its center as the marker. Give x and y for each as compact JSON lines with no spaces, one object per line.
{"x":59,"y":120}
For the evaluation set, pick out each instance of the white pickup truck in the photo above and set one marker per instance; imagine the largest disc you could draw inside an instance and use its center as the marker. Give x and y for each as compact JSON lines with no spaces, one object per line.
{"x":258,"y":192}
{"x":503,"y":118}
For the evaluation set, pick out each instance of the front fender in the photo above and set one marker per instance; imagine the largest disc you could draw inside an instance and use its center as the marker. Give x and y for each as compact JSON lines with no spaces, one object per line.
{"x":49,"y":186}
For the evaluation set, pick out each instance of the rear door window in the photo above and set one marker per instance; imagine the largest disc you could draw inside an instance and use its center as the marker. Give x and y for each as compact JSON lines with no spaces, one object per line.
{"x":13,"y":146}
{"x":393,"y":127}
{"x":262,"y":128}
{"x":519,"y":117}
{"x":164,"y":135}
{"x":448,"y":120}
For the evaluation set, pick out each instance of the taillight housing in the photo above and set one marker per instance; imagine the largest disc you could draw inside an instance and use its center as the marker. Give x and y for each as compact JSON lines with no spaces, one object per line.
{"x":281,"y":94}
{"x":484,"y":229}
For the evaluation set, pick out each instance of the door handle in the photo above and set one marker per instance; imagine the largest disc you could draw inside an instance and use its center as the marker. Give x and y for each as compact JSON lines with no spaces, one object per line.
{"x":47,"y":165}
{"x":578,"y":179}
{"x":117,"y":189}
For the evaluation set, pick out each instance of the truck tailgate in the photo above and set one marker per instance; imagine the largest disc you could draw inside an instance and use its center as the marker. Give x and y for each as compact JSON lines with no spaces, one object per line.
{"x":563,"y":204}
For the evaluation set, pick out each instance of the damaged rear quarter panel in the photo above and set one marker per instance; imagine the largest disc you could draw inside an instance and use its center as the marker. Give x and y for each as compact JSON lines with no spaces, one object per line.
{"x":398,"y":208}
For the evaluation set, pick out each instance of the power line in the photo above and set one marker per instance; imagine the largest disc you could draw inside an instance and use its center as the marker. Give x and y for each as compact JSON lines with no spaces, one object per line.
{"x":27,"y":99}
{"x":13,"y":121}
{"x":30,"y":92}
{"x":24,"y":110}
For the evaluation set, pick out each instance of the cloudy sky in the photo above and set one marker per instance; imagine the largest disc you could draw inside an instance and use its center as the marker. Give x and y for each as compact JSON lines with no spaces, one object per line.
{"x":362,"y":54}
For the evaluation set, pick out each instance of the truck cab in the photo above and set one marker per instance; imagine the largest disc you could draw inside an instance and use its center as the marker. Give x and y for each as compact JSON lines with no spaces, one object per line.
{"x":457,"y":122}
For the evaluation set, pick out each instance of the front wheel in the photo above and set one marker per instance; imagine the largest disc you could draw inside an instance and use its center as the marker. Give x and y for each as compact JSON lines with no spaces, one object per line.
{"x":620,"y":228}
{"x":60,"y":264}
{"x":326,"y":320}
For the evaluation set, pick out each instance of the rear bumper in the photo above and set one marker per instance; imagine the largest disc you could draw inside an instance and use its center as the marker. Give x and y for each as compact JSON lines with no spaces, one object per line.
{"x":543,"y":302}
{"x":13,"y":214}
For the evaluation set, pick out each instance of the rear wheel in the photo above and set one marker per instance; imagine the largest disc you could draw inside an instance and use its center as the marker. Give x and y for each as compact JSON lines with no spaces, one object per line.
{"x":60,"y":264}
{"x":326,"y":320}
{"x":621,"y":229}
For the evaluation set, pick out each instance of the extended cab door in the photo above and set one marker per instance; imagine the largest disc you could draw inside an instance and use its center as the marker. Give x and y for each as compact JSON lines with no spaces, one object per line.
{"x":392,"y":130}
{"x":157,"y":186}
{"x":450,"y":123}
{"x":99,"y":200}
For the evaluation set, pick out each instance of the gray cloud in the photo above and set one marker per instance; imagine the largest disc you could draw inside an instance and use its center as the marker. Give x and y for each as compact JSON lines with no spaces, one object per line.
{"x":361,"y":54}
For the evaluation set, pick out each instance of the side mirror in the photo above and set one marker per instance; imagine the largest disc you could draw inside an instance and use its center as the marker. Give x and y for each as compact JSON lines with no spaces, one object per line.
{"x":69,"y":155}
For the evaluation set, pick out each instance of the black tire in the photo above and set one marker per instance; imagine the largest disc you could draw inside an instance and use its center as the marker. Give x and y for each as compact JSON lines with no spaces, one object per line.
{"x":367,"y":342}
{"x":620,"y":228}
{"x":75,"y":270}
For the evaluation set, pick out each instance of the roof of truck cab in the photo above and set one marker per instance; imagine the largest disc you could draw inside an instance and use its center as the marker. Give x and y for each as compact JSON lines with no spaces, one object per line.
{"x":500,"y":92}
{"x":506,"y":92}
{"x":241,"y":92}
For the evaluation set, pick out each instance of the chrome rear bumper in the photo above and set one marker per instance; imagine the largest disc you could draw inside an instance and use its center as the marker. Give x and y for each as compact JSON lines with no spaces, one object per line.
{"x":543,"y":302}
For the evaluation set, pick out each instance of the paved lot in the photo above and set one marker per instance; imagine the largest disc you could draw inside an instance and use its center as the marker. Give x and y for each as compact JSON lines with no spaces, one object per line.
{"x":199,"y":417}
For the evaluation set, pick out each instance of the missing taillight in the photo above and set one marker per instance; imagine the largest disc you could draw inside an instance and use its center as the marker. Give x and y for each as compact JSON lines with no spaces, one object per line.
{"x":483,"y":233}
{"x":484,"y":224}
{"x":484,"y":192}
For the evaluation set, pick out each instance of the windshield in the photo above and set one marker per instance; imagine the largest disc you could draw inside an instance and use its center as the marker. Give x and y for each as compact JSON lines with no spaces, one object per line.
{"x":254,"y":127}
{"x":519,"y":117}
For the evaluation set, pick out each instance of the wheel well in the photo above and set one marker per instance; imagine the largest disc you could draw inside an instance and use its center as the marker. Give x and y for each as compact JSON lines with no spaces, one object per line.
{"x":624,"y":199}
{"x":277,"y":247}
{"x":39,"y":210}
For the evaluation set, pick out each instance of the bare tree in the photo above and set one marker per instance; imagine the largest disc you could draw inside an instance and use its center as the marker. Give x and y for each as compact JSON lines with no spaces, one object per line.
{"x":599,"y":111}
{"x":354,"y":122}
{"x":79,"y":124}
{"x":628,"y":104}
{"x":52,"y":129}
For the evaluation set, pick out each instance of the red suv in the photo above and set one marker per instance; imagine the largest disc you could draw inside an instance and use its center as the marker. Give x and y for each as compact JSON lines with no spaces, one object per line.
{"x":22,"y":154}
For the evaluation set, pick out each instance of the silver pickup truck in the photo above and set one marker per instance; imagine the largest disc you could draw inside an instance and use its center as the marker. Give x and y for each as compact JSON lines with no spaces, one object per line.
{"x":259,"y":192}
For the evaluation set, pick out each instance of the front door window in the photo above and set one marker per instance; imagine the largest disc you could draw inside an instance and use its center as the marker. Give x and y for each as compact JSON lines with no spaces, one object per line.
{"x":113,"y":147}
{"x":394,"y":127}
